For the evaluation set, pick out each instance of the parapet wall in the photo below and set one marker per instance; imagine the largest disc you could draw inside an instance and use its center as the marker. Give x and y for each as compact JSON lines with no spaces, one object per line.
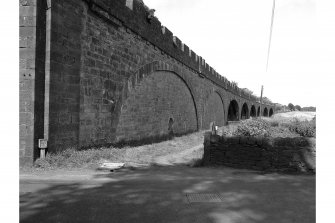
{"x":133,"y":14}
{"x":270,"y":154}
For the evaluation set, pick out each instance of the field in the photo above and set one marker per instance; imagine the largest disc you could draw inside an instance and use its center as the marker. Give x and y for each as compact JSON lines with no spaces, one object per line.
{"x":301,"y":116}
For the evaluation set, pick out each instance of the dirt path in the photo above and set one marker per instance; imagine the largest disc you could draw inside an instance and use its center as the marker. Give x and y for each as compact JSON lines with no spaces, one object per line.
{"x":186,"y":156}
{"x":180,"y":150}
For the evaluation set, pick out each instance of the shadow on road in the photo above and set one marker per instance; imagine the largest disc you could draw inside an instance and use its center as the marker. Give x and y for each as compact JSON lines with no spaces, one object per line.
{"x":158,"y":194}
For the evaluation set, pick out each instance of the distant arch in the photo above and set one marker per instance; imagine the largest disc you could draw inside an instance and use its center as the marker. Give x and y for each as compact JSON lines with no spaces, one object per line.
{"x":233,"y":111}
{"x":265,"y":112}
{"x":244,"y":112}
{"x":270,"y":112}
{"x":253,"y":111}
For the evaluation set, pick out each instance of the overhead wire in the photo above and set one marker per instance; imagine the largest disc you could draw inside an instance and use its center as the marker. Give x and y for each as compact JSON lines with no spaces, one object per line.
{"x":271,"y":28}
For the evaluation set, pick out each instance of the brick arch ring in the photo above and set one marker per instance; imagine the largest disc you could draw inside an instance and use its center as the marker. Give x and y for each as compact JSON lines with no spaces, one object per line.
{"x":149,"y":69}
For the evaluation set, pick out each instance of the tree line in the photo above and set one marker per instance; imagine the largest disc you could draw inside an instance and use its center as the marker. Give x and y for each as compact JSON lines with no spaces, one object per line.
{"x":292,"y":107}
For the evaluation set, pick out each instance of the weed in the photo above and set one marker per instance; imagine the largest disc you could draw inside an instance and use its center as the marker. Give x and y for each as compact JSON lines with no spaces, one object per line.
{"x":71,"y":158}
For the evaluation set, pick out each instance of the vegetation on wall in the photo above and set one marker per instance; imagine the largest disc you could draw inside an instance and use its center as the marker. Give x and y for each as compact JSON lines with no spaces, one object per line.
{"x":247,"y":91}
{"x":275,"y":128}
{"x":254,"y":127}
{"x":266,"y":100}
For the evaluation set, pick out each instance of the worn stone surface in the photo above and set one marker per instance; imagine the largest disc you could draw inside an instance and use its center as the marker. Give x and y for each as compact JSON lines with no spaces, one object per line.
{"x":214,"y":111}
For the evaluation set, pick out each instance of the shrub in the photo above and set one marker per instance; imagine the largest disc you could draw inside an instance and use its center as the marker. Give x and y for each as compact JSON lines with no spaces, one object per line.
{"x":303,"y":128}
{"x":297,"y":107}
{"x":274,"y":123}
{"x":254,"y":127}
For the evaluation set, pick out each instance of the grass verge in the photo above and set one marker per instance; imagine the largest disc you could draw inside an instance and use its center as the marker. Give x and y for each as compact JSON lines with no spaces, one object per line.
{"x":141,"y":155}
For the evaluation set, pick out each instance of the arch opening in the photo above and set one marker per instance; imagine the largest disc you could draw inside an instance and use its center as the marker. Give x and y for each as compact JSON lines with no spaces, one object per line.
{"x":244,"y":112}
{"x":265,"y":112}
{"x":270,"y":112}
{"x":233,"y":111}
{"x":253,"y":111}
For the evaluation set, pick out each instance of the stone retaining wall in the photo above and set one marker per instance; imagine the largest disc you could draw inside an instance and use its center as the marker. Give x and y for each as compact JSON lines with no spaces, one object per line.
{"x":269,"y":154}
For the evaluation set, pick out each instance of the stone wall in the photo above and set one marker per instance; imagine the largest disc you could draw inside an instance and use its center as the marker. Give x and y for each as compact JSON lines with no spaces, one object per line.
{"x":268,"y":154}
{"x":107,"y":84}
{"x":96,"y":72}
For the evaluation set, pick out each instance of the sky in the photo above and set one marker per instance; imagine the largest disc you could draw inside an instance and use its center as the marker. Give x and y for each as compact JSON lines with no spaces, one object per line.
{"x":233,"y":38}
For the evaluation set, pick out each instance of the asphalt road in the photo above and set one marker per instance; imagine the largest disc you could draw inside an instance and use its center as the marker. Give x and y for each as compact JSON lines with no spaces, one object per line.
{"x":167,"y":194}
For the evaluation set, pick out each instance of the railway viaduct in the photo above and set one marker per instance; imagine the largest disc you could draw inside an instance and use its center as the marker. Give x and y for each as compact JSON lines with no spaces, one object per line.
{"x":95,"y":72}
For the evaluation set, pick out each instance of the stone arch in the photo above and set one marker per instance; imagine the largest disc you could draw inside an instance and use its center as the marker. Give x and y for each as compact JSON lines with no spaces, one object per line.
{"x":153,"y":97}
{"x":213,"y":111}
{"x":150,"y":68}
{"x":265,"y":112}
{"x":244,"y":111}
{"x":270,"y":112}
{"x":233,"y":111}
{"x":253,"y":111}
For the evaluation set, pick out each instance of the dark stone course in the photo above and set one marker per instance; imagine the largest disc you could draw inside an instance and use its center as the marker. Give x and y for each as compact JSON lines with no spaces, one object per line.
{"x":275,"y":154}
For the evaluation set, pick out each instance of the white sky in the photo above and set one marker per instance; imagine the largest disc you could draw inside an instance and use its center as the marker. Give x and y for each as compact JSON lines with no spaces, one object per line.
{"x":232,"y":36}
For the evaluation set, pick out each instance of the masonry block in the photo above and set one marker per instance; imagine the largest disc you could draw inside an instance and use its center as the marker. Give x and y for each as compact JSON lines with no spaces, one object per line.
{"x":27,"y":10}
{"x":233,"y":140}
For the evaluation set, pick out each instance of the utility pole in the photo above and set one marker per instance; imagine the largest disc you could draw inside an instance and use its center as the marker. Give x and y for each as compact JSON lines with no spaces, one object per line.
{"x":271,"y":27}
{"x":260,"y":110}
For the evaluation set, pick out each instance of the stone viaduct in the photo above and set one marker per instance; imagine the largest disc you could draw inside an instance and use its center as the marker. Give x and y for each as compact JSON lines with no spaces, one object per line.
{"x":96,"y":72}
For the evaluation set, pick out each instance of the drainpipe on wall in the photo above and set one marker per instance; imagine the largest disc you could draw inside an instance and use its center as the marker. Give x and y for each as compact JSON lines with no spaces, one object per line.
{"x":43,"y":143}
